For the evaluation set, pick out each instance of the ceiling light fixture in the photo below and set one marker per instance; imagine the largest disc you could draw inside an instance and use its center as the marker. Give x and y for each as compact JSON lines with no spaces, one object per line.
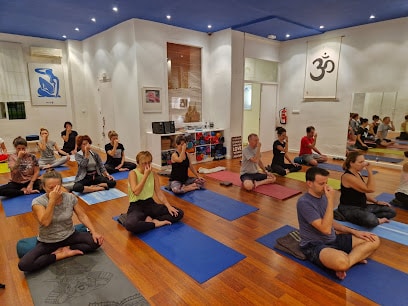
{"x":287,"y":35}
{"x":115,"y":9}
{"x":209,"y":26}
{"x":64,"y":36}
{"x":77,"y":29}
{"x":372,"y":16}
{"x":321,"y":27}
{"x":93,"y":19}
{"x":168,"y":17}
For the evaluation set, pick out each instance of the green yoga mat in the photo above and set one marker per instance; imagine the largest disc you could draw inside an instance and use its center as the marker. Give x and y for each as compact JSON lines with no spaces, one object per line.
{"x":386,"y":151}
{"x":91,"y":279}
{"x":301,"y":176}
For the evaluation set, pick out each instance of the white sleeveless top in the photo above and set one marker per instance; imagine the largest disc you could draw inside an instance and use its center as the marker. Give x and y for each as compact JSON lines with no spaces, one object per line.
{"x":403,"y":187}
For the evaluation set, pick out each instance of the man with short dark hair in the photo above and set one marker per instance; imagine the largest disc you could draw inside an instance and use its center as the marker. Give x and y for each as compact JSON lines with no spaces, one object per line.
{"x":308,"y":146}
{"x":382,"y":132}
{"x":319,"y":241}
{"x":251,"y":160}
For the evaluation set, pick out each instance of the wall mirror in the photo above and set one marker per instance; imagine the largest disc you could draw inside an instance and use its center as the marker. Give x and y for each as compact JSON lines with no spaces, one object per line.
{"x":367,"y":104}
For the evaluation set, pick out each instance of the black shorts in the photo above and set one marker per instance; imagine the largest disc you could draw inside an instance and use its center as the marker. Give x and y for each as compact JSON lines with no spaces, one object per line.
{"x":253,"y":177}
{"x":343,"y":242}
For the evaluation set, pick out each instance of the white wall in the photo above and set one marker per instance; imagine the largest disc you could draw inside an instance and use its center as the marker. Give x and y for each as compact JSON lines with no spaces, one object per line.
{"x":372,"y":59}
{"x":50,"y":117}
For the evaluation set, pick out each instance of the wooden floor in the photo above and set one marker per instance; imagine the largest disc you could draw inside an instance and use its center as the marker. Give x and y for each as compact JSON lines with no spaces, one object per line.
{"x":263,"y":278}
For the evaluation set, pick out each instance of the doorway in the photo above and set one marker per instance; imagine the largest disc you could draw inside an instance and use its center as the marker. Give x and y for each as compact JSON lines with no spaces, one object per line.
{"x":260,"y":103}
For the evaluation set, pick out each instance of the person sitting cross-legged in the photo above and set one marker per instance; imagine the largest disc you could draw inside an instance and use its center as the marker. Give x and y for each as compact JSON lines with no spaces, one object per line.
{"x":325,"y":242}
{"x":251,"y":159}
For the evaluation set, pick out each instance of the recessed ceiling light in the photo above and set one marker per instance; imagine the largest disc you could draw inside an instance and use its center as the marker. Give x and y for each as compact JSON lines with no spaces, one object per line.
{"x":372,"y":16}
{"x":115,"y":9}
{"x":168,"y":17}
{"x":77,"y":29}
{"x":321,"y":27}
{"x":287,"y":35}
{"x":64,"y":36}
{"x":209,"y":26}
{"x":93,"y":19}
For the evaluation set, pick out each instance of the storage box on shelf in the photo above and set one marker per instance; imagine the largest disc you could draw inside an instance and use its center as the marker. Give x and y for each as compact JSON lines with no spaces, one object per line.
{"x":201,"y":144}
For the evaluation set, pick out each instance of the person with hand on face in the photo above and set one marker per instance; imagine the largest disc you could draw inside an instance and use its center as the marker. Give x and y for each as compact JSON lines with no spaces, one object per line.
{"x":362,"y":135}
{"x":3,"y":151}
{"x":251,"y":160}
{"x":69,"y":137}
{"x":24,"y":172}
{"x":325,"y":242}
{"x":47,"y":147}
{"x":356,"y":204}
{"x":149,"y":207}
{"x":180,"y":182}
{"x":57,"y":238}
{"x":382,"y":132}
{"x":280,"y":153}
{"x":92,"y":175}
{"x":115,"y":152}
{"x":308,"y":146}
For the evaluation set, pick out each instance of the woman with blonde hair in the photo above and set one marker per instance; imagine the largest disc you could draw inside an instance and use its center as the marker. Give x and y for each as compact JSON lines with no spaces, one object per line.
{"x":115,"y":152}
{"x":57,"y":238}
{"x":149,"y":207}
{"x":47,"y":148}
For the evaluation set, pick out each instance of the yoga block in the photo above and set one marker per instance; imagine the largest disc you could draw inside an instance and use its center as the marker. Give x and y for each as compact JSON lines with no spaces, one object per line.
{"x":298,"y":160}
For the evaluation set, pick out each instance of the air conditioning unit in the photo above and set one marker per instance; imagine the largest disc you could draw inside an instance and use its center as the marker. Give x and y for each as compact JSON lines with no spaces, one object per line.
{"x":45,"y":52}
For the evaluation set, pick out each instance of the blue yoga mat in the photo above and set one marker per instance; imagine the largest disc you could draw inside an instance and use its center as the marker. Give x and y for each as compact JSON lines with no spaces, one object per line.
{"x":216,"y":203}
{"x":59,"y":168}
{"x":68,"y":179}
{"x":120,"y":175}
{"x":18,"y":205}
{"x":338,"y":168}
{"x":377,"y":282}
{"x":383,"y":158}
{"x":394,"y":231}
{"x":100,"y":196}
{"x":196,"y":254}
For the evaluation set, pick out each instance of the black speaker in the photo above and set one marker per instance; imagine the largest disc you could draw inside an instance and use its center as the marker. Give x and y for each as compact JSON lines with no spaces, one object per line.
{"x":158,"y":127}
{"x":169,"y":127}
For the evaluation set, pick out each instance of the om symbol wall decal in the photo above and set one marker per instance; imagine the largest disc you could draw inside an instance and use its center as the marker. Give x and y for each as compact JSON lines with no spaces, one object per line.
{"x":323,"y":65}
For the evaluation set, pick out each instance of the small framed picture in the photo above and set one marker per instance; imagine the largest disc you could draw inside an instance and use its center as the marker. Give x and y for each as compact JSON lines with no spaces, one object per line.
{"x":151,"y":100}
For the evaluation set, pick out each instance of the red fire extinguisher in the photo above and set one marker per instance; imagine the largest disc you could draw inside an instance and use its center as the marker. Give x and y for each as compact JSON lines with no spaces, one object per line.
{"x":282,"y":116}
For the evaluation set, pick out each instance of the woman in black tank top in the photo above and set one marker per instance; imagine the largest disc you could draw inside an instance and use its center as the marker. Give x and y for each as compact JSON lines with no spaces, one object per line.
{"x":356,"y":204}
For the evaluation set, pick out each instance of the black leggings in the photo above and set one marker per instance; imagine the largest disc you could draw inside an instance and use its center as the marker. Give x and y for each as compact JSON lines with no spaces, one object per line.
{"x":111,"y":168}
{"x":12,"y":189}
{"x":403,"y":198}
{"x":281,"y":169}
{"x":139,"y":210}
{"x":41,"y":256}
{"x":90,"y":180}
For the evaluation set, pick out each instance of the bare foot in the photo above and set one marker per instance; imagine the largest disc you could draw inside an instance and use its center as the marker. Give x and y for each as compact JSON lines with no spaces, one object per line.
{"x":383,"y":220}
{"x":158,"y":223}
{"x":123,"y":169}
{"x":341,"y":274}
{"x":149,"y":219}
{"x":94,"y":188}
{"x":363,"y":262}
{"x":66,"y":252}
{"x":103,"y":185}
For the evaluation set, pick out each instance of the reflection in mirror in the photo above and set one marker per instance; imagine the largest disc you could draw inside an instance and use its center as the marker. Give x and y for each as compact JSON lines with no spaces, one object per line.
{"x":367,"y":104}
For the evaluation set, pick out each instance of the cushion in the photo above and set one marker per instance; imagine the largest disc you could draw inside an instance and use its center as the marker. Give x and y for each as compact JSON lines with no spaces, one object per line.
{"x":290,"y":244}
{"x":299,"y":160}
{"x":32,"y":137}
{"x":27,"y":244}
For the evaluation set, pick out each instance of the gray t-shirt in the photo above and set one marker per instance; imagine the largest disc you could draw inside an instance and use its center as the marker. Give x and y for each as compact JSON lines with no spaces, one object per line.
{"x":47,"y":155}
{"x":247,"y":166}
{"x":309,"y":209}
{"x":61,"y":226}
{"x":383,"y":130}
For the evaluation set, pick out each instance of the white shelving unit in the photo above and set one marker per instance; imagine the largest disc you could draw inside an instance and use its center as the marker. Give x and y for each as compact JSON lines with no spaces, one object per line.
{"x":200,"y":143}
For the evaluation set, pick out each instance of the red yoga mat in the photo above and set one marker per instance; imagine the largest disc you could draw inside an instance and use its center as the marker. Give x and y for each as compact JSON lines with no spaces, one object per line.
{"x":273,"y":190}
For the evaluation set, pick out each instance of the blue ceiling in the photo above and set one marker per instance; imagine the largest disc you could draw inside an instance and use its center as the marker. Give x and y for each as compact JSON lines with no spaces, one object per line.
{"x":298,"y":18}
